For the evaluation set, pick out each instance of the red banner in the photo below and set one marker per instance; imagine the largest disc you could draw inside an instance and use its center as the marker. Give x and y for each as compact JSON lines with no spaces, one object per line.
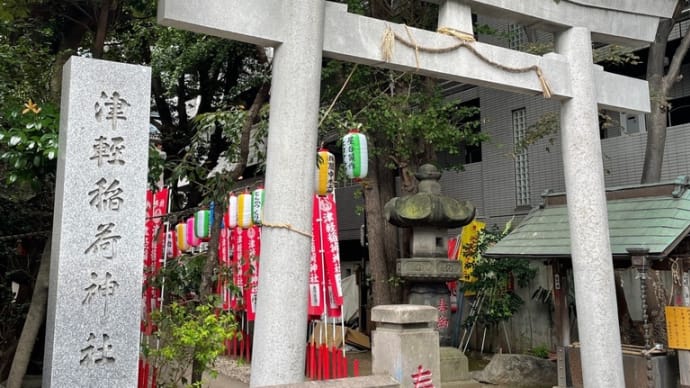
{"x":238,"y":242}
{"x":252,"y":279}
{"x":316,"y":306}
{"x":148,"y":238}
{"x":325,"y":287}
{"x":148,"y":233}
{"x":160,"y":210}
{"x":331,"y":254}
{"x":223,"y":261}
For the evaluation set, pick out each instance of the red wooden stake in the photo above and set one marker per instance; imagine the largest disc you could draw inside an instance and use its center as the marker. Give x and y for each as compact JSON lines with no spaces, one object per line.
{"x":312,"y":360}
{"x":146,"y":374}
{"x":355,"y":367}
{"x":339,"y":360}
{"x":140,"y":382}
{"x":154,"y":374}
{"x":343,"y":365}
{"x":334,"y":362}
{"x":326,"y":362}
{"x":319,"y":359}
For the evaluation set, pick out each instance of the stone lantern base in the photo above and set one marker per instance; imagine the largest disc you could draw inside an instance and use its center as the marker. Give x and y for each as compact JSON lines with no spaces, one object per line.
{"x":427,"y":277}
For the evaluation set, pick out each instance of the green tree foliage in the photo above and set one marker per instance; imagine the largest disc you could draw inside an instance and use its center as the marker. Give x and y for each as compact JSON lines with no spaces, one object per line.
{"x":493,"y":277}
{"x":188,"y":334}
{"x":29,"y":141}
{"x":24,"y":55}
{"x":407,"y":123}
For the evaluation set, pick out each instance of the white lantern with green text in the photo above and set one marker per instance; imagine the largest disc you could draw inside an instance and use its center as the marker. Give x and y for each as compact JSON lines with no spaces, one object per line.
{"x":355,"y":154}
{"x":325,"y":172}
{"x":202,"y":225}
{"x":258,"y":196}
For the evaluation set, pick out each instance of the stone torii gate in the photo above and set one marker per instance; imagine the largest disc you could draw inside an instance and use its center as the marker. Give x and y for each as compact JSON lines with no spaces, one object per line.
{"x":302,"y":31}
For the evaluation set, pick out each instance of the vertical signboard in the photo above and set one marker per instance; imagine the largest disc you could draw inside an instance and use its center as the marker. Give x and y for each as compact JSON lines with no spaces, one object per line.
{"x":93,"y":322}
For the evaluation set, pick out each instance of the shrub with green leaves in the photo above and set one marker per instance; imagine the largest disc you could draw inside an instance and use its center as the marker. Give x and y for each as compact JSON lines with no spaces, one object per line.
{"x":29,"y":143}
{"x":541,"y":351}
{"x":187,"y":334}
{"x":493,"y":277}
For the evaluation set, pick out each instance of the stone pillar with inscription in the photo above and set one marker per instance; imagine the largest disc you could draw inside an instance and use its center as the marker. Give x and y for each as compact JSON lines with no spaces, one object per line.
{"x":92,"y":335}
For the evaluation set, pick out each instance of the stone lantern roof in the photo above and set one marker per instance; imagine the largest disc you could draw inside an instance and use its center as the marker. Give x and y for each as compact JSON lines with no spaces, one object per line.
{"x":428,"y":207}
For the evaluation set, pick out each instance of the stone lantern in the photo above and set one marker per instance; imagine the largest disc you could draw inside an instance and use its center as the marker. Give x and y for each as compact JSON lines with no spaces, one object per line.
{"x":430,"y":215}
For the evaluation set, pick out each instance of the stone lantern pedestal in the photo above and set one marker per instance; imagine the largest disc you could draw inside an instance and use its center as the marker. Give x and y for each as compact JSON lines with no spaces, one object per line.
{"x":430,"y":215}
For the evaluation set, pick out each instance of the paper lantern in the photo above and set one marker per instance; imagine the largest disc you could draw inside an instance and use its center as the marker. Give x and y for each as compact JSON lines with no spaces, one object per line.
{"x":192,"y":240}
{"x":258,"y":205}
{"x":181,"y":237}
{"x":325,"y":173}
{"x":202,"y":225}
{"x":244,"y":210}
{"x":231,"y":213}
{"x":355,"y":155}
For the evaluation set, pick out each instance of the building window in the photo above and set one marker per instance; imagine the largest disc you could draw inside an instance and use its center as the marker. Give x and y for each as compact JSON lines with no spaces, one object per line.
{"x":467,"y":153}
{"x":473,"y":152}
{"x":679,"y":112}
{"x":516,"y":37}
{"x":522,"y":189}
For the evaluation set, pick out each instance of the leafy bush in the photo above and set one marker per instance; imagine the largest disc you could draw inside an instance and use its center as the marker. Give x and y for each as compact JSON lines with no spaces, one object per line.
{"x":493,"y":277}
{"x":186,"y":335}
{"x":540,"y":351}
{"x":29,"y":143}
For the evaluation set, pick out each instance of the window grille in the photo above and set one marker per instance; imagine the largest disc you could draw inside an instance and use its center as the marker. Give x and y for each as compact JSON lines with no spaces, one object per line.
{"x":516,"y":37}
{"x":522,"y":188}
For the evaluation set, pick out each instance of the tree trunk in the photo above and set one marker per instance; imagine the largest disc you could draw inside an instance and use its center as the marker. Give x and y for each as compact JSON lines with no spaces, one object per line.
{"x":659,"y":87}
{"x":34,"y":321}
{"x":71,"y":38}
{"x":393,"y":236}
{"x":656,"y":131}
{"x":101,"y":29}
{"x":376,"y":237}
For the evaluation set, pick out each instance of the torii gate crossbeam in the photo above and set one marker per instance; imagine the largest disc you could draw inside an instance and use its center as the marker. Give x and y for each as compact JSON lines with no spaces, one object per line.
{"x":355,"y":38}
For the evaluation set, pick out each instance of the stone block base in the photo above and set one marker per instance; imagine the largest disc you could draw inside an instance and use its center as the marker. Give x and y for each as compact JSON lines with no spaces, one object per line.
{"x":454,"y":365}
{"x":379,"y":381}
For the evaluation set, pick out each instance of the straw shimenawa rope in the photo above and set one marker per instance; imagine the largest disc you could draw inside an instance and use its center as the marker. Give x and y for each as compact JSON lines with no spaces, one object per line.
{"x":286,"y":226}
{"x":464,"y":40}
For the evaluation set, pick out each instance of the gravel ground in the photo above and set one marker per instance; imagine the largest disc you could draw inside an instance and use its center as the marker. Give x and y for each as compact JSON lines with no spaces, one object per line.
{"x":233,"y":369}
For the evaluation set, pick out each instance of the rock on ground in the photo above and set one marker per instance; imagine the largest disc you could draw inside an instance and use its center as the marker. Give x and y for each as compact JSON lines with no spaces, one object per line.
{"x":518,"y":370}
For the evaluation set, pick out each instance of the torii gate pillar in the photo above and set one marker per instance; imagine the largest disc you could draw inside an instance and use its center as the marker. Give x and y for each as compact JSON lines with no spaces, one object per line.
{"x":602,"y":362}
{"x":281,"y":326}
